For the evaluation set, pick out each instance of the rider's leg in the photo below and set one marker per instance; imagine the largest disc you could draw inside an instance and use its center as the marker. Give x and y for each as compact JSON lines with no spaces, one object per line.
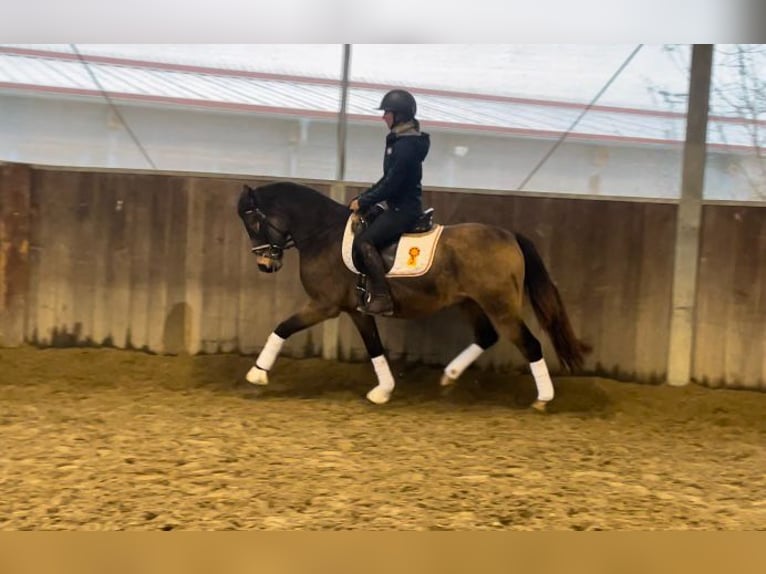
{"x":378,"y":299}
{"x":384,"y":230}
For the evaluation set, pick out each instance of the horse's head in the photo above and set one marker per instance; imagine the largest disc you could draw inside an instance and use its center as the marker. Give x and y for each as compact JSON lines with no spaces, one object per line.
{"x":268,"y":237}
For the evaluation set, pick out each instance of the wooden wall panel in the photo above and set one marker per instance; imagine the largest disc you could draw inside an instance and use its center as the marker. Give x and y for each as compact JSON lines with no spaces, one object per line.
{"x":105,"y":205}
{"x":56,"y":245}
{"x":15,"y":223}
{"x":655,"y":287}
{"x":189,"y":314}
{"x":731,"y":298}
{"x":214,"y":224}
{"x":161,"y":262}
{"x":146,"y":266}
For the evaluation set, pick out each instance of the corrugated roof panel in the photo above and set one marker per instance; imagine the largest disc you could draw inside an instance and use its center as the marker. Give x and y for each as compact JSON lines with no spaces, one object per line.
{"x":44,"y":72}
{"x":544,"y":117}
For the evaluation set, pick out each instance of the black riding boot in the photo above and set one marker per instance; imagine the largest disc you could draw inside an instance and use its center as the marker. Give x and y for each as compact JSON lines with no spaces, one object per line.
{"x":378,"y":298}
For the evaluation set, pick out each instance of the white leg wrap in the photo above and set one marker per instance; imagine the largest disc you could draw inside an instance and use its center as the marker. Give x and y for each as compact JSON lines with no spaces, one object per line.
{"x":380,"y":394}
{"x":542,"y":380}
{"x":464,"y":360}
{"x":270,"y":352}
{"x":259,"y":374}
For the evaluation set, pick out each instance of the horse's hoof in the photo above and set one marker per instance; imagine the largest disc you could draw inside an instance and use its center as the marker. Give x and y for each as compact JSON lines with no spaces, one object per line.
{"x":379,"y":395}
{"x":447,"y":380}
{"x":539,"y":406}
{"x":257,"y":376}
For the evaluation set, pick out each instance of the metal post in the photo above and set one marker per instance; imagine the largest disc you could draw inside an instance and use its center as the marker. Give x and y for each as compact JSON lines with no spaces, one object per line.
{"x":340,"y":172}
{"x":689,"y":218}
{"x":330,"y":328}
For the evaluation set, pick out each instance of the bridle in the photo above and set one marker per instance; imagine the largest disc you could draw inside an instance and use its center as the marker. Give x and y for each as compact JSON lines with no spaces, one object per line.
{"x":277,"y":239}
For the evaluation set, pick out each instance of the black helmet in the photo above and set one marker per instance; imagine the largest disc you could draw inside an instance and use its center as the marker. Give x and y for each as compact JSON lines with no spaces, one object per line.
{"x":401,"y":102}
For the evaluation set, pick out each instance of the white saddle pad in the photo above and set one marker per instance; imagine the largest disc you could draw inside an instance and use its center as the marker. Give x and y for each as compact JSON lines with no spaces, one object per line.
{"x":414,"y":254}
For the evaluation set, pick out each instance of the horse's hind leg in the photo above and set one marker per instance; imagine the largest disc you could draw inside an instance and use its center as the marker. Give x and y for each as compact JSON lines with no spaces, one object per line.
{"x":484,"y":337}
{"x":506,"y":318}
{"x":530,"y":347}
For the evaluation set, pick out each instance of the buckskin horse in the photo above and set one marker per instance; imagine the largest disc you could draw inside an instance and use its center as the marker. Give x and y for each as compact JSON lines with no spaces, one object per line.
{"x":489,"y":288}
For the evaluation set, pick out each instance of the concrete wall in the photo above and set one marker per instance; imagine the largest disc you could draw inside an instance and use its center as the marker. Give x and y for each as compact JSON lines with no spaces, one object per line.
{"x":160,"y":262}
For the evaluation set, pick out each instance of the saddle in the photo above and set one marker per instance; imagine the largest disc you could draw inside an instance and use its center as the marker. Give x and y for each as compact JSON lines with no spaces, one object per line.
{"x":424,"y":224}
{"x":410,"y":256}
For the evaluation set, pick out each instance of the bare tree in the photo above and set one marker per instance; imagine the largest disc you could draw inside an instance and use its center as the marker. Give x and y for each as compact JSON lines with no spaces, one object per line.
{"x":738,"y":93}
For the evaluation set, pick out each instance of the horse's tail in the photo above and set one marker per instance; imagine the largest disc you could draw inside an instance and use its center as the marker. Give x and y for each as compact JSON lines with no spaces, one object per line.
{"x":549,"y":308}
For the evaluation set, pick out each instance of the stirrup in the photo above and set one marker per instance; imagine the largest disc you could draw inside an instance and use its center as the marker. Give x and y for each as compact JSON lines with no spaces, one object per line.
{"x":377,"y":305}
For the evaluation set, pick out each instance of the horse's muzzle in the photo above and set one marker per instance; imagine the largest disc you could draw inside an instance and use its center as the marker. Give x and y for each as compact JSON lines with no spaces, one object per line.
{"x":268,"y":258}
{"x":269,"y":265}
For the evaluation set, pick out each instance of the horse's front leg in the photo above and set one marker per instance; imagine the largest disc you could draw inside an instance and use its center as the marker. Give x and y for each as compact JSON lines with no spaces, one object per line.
{"x":309,"y":316}
{"x":368,"y":329}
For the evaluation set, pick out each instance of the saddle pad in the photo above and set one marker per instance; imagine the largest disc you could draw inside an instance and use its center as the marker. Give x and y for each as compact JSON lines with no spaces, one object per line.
{"x":414,"y":252}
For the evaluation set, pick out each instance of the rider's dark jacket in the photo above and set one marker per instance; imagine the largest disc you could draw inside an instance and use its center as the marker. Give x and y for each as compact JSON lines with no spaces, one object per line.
{"x":400,"y":187}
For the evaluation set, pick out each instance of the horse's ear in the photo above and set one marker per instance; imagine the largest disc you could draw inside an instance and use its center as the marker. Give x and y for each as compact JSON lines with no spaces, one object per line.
{"x":249,"y":192}
{"x":246,"y":199}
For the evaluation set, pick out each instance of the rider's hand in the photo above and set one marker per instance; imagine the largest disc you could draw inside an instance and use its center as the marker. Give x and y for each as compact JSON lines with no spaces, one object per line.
{"x":354,"y":205}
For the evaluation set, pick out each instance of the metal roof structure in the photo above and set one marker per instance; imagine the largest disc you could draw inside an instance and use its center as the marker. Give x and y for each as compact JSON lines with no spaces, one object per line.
{"x":56,"y":74}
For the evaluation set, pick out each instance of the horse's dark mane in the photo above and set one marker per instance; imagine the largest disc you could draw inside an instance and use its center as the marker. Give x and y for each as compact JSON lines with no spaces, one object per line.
{"x":289,"y":195}
{"x":309,"y":214}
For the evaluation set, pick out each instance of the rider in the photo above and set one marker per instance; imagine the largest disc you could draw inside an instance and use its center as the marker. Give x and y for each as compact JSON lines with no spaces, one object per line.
{"x":400,"y":188}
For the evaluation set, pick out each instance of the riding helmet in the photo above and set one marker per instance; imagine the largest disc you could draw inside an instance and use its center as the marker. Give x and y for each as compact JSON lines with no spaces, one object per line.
{"x":400,"y":102}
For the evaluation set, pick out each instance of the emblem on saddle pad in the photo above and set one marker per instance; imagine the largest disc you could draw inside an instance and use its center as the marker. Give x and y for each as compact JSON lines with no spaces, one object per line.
{"x":411,"y":256}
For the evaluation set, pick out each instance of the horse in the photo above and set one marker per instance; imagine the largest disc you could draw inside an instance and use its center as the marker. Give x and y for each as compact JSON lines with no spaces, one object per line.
{"x":489,"y":289}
